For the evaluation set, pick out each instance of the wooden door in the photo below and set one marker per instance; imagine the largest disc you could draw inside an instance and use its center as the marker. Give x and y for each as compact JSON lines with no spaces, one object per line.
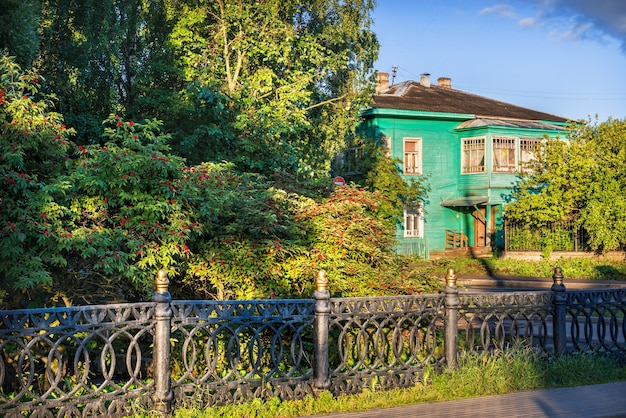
{"x":480,"y":228}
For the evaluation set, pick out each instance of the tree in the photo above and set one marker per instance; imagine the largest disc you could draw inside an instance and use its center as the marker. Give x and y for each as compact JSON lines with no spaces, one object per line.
{"x":273,"y":84}
{"x":266,"y":85}
{"x":106,"y":56}
{"x":18,"y":30}
{"x":366,"y":162}
{"x":290,"y":239}
{"x":400,"y":194}
{"x":34,"y":144}
{"x":85,"y":221}
{"x":579,"y":180}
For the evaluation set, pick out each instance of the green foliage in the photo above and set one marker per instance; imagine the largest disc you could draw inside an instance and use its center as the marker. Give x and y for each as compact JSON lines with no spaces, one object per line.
{"x":105,"y":216}
{"x":580,"y":180}
{"x":33,"y":145}
{"x":18,"y":30}
{"x":266,"y":241}
{"x":126,"y":214}
{"x":351,"y":243}
{"x":94,"y":222}
{"x":400,"y":194}
{"x":273,"y":85}
{"x":106,"y":56}
{"x":250,"y":235}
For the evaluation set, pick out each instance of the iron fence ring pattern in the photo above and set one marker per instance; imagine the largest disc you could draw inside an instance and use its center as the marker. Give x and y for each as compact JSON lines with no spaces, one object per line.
{"x":55,"y":359}
{"x":491,"y":321}
{"x":594,"y":311}
{"x":383,"y":341}
{"x":251,"y":349}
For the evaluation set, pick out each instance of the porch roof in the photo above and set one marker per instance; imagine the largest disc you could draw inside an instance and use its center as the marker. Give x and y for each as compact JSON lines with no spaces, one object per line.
{"x":465,"y":201}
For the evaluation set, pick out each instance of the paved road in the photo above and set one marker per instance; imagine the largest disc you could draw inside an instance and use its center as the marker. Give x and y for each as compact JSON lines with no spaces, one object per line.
{"x":606,"y":400}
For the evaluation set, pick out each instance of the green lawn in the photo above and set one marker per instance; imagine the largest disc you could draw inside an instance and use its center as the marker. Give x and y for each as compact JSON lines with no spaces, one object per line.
{"x":573,"y":268}
{"x":507,"y":372}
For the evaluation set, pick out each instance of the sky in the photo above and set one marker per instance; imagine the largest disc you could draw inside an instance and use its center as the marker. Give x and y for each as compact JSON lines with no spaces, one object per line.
{"x":563,"y":57}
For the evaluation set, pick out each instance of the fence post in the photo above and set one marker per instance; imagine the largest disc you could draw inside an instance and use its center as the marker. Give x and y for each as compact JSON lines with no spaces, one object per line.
{"x":506,"y":234}
{"x":451,"y":324}
{"x":163,"y":395}
{"x":559,"y":320}
{"x":321,"y":309}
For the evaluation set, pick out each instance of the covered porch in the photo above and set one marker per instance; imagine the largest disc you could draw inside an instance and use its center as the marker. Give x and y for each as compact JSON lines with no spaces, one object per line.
{"x":476,"y":224}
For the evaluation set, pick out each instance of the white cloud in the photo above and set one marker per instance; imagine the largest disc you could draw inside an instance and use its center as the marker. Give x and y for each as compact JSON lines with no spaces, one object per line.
{"x":502,"y":10}
{"x":528,"y":22}
{"x":576,"y":32}
{"x":584,"y":19}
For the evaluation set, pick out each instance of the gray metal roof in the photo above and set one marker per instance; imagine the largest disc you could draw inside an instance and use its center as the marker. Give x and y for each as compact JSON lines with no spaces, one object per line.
{"x":411,"y":95}
{"x":509,"y":123}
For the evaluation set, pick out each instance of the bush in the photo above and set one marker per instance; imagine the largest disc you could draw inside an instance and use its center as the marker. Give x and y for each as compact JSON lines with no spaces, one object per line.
{"x":275,"y":244}
{"x":94,"y":223}
{"x":34,"y":148}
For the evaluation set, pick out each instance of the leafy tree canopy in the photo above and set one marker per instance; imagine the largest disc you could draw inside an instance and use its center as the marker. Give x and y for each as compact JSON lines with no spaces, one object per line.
{"x":581,"y":180}
{"x":19,"y":23}
{"x":273,"y":84}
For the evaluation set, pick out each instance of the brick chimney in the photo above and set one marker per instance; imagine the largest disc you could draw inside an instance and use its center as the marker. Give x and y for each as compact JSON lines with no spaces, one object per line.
{"x":444,"y":82}
{"x":382,"y":82}
{"x":425,"y":79}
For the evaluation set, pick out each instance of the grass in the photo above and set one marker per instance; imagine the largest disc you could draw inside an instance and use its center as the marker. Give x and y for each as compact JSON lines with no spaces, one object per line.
{"x":573,"y":268}
{"x":511,"y":371}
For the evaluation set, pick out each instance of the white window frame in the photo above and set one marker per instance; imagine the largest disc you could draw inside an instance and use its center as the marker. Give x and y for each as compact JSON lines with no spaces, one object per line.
{"x":473,"y":155}
{"x":503,"y":154}
{"x":412,"y":159}
{"x":528,"y":148}
{"x":414,"y":223}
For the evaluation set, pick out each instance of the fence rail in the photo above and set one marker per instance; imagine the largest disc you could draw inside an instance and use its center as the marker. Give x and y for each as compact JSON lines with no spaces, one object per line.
{"x":114,"y":360}
{"x":555,"y":236}
{"x":456,"y":240}
{"x":414,"y":246}
{"x":232,"y":351}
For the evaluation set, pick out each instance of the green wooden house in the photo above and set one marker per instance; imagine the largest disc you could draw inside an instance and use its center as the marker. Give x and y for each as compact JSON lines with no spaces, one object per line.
{"x":471,"y":148}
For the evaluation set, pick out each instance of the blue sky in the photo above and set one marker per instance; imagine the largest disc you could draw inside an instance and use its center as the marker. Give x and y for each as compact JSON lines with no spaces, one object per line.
{"x":564,"y":57}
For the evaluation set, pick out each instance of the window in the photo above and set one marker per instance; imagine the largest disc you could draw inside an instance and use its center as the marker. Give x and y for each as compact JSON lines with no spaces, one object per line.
{"x":347,"y":162}
{"x":473,"y":155}
{"x":386,"y":144}
{"x":528,"y":148}
{"x":413,"y":223}
{"x":504,"y":155}
{"x":412,"y":156}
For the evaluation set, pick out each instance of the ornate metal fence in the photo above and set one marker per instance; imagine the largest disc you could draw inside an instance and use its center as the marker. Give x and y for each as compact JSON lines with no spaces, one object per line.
{"x":70,"y":362}
{"x":231,"y":351}
{"x":117,"y":359}
{"x":383,"y":342}
{"x":500,"y":321}
{"x":595,"y":321}
{"x":555,"y":236}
